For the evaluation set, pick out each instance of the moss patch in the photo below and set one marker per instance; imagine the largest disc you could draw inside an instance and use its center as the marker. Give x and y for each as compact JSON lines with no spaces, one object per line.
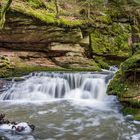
{"x":5,"y":66}
{"x":46,"y":14}
{"x":126,"y":84}
{"x":101,"y":62}
{"x":131,"y":63}
{"x":113,"y":40}
{"x":132,"y":111}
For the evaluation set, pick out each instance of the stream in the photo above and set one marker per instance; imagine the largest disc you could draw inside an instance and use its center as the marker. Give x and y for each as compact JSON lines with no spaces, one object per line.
{"x":67,"y":106}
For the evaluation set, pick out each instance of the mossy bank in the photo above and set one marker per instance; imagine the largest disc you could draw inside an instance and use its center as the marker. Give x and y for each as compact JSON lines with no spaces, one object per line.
{"x":126,"y":82}
{"x":126,"y":85}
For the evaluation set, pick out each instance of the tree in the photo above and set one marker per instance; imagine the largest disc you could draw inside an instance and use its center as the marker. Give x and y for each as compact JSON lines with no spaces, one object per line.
{"x":3,"y":12}
{"x":91,"y":3}
{"x":57,"y":7}
{"x":89,"y":8}
{"x":88,"y":4}
{"x":105,"y":3}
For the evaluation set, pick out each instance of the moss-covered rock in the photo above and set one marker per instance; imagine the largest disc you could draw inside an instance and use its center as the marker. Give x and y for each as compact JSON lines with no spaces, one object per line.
{"x":126,"y":77}
{"x":126,"y":83}
{"x":34,"y":43}
{"x":35,"y":25}
{"x":134,"y":111}
{"x":113,"y":40}
{"x":5,"y":66}
{"x":101,"y":62}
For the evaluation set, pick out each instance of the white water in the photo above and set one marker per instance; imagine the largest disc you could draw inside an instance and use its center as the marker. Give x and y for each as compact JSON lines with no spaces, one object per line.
{"x":113,"y":68}
{"x":45,"y":86}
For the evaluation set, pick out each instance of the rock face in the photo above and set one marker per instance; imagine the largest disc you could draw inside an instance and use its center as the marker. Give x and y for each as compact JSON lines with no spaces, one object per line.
{"x":31,"y":42}
{"x":112,"y":40}
{"x":126,"y":83}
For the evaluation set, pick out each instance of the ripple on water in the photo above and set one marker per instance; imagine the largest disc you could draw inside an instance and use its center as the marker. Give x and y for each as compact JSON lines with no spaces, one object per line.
{"x":71,"y":118}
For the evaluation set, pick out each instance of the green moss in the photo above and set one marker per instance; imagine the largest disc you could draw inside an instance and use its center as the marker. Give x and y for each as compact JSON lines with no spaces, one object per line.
{"x":35,"y":3}
{"x":45,"y":15}
{"x":97,"y":67}
{"x":117,"y":85}
{"x":113,"y":40}
{"x":42,"y":10}
{"x":88,"y":66}
{"x":40,"y":14}
{"x":114,"y":61}
{"x":130,"y":63}
{"x":134,"y":2}
{"x":137,"y":52}
{"x":3,"y":73}
{"x":106,"y":19}
{"x":70,"y":23}
{"x":50,"y":6}
{"x":134,"y":103}
{"x":4,"y":62}
{"x":132,"y":111}
{"x":3,"y":11}
{"x":135,"y":29}
{"x":126,"y":85}
{"x":5,"y":66}
{"x":20,"y":71}
{"x":136,"y":47}
{"x":136,"y":44}
{"x":101,"y":62}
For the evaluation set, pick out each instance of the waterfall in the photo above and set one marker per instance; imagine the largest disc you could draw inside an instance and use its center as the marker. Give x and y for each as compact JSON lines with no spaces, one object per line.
{"x":91,"y":88}
{"x":45,"y":86}
{"x":113,"y":68}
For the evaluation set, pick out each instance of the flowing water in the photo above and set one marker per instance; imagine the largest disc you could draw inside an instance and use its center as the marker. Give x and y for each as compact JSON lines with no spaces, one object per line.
{"x":67,"y":106}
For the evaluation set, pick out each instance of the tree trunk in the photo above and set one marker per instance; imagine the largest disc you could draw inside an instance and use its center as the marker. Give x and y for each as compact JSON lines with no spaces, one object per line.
{"x":105,"y":3}
{"x":57,"y":7}
{"x":89,"y":8}
{"x":3,"y":13}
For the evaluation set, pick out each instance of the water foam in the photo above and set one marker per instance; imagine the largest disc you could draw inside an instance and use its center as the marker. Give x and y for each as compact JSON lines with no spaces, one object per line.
{"x":46,"y":86}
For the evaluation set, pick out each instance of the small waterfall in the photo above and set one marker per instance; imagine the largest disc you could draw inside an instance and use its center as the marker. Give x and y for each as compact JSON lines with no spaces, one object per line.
{"x":37,"y":88}
{"x":95,"y":86}
{"x":90,"y":89}
{"x":113,"y":68}
{"x":44,"y":86}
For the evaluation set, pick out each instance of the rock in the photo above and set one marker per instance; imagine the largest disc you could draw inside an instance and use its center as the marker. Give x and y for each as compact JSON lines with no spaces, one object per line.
{"x":126,"y":84}
{"x":112,"y":41}
{"x":85,"y":42}
{"x":28,"y":42}
{"x":4,"y":62}
{"x":74,"y":54}
{"x":22,"y":33}
{"x":76,"y":62}
{"x":19,"y":79}
{"x":4,"y":85}
{"x":136,"y":122}
{"x":61,"y":47}
{"x":129,"y":118}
